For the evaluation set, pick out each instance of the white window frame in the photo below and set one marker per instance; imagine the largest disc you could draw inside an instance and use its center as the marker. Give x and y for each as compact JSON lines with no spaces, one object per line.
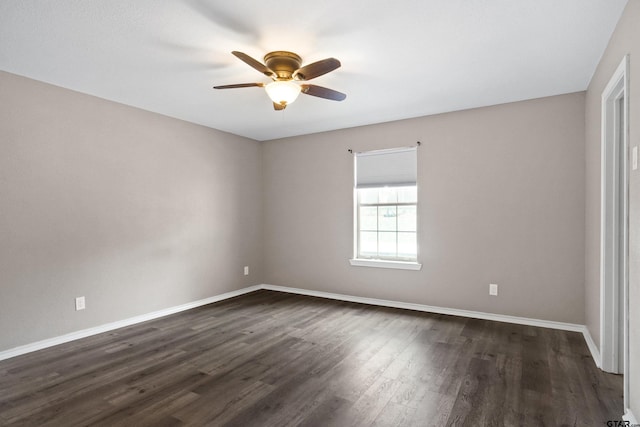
{"x":380,"y":262}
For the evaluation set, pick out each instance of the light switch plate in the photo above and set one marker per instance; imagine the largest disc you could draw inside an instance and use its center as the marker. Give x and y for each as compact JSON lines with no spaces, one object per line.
{"x":634,"y":158}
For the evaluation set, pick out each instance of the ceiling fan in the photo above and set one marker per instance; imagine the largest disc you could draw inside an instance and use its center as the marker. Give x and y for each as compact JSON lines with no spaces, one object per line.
{"x":284,"y":69}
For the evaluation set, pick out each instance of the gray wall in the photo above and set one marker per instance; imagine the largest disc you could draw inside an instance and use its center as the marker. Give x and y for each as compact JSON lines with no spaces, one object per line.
{"x":140,"y":212}
{"x":625,"y":39}
{"x":136,"y":211}
{"x":501,"y":194}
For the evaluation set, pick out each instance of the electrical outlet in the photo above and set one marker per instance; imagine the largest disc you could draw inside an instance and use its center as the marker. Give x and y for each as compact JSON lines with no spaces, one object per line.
{"x":246,"y":270}
{"x":80,"y":304}
{"x":493,"y":289}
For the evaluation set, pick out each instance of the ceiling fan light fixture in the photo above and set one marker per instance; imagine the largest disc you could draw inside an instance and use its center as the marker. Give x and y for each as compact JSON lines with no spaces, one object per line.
{"x":283,"y":92}
{"x":284,"y":68}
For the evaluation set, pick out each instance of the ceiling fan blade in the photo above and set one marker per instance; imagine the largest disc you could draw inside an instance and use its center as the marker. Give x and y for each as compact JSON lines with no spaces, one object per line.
{"x":239,"y":85}
{"x":278,"y":107}
{"x":323,"y":92}
{"x":316,"y":69}
{"x":254,"y":63}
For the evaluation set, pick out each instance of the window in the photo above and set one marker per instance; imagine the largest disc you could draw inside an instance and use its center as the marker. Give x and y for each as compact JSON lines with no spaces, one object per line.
{"x":387,"y":223}
{"x":386,"y":203}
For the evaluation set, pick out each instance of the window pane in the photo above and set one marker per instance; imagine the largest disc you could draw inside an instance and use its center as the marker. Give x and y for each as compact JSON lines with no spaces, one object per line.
{"x":406,"y":218}
{"x":387,"y":242}
{"x":387,"y":232}
{"x":388,"y":195}
{"x":368,"y":218}
{"x":387,"y":218}
{"x":407,"y":245}
{"x":407,"y":195}
{"x":369,"y":243}
{"x":368,"y":195}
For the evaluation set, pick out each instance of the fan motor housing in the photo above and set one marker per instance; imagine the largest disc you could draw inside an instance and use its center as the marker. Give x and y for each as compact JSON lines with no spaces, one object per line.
{"x":283,"y":63}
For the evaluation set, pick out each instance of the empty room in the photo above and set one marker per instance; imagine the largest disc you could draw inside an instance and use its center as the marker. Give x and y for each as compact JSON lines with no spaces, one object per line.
{"x":413,"y":213}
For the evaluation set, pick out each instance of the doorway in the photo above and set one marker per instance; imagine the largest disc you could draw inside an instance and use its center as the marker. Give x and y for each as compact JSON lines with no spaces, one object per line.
{"x":614,"y":270}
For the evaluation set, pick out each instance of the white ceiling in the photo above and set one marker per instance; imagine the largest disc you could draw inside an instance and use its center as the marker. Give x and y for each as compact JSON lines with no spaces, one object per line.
{"x":400,"y":59}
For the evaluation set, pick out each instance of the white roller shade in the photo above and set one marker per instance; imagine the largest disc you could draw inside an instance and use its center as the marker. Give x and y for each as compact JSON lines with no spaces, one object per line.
{"x":387,"y":168}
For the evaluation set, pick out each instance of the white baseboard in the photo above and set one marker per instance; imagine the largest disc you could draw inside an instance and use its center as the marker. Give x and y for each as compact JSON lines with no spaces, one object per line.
{"x":39,"y":345}
{"x":593,"y":348}
{"x":628,"y":416}
{"x":451,"y":311}
{"x":433,"y":309}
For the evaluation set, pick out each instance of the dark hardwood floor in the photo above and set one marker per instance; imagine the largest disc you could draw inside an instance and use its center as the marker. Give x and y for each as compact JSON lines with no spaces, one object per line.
{"x":276,"y":359}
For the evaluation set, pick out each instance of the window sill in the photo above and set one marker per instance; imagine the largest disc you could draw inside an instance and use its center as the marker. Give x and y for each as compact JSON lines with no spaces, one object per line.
{"x":399,"y":265}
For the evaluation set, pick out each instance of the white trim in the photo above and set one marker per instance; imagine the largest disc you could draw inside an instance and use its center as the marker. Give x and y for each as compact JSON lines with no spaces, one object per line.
{"x":628,"y":416}
{"x":573,"y":327}
{"x":609,"y":223}
{"x":400,"y":265}
{"x":433,"y":309}
{"x":593,"y":348}
{"x":39,"y":345}
{"x":50,"y":342}
{"x":610,"y":284}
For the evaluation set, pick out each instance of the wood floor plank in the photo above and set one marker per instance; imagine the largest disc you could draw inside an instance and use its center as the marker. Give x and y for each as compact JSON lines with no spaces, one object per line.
{"x":330,"y":413}
{"x":271,"y":358}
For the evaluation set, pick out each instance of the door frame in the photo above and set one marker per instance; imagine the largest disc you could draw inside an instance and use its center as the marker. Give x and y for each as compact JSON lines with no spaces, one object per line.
{"x":613,"y":287}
